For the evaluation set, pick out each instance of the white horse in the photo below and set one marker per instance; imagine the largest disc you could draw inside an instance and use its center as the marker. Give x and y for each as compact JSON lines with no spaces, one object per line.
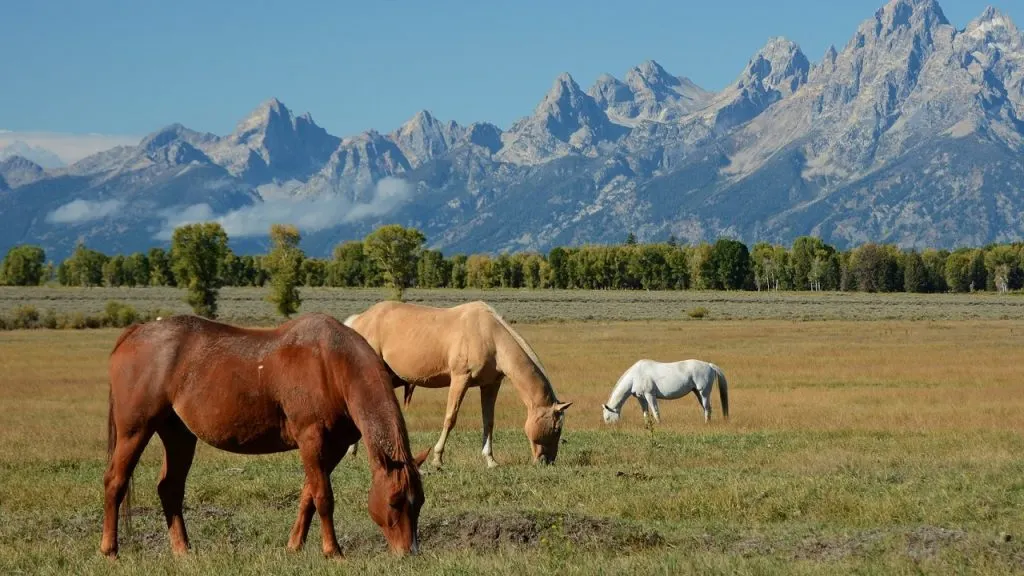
{"x":650,"y":381}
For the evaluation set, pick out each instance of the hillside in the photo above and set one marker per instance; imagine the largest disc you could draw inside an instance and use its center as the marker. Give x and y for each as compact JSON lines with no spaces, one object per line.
{"x":909,"y":133}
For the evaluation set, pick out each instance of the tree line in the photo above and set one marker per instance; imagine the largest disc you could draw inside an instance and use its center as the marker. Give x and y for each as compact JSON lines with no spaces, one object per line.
{"x":200,"y":261}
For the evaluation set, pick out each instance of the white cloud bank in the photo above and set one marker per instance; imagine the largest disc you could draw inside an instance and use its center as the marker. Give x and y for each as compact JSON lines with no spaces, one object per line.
{"x":78,"y":211}
{"x":70,"y":148}
{"x":307,"y":214}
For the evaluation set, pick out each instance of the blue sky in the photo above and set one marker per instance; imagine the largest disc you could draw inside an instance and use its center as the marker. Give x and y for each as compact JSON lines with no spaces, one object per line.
{"x":132,"y":66}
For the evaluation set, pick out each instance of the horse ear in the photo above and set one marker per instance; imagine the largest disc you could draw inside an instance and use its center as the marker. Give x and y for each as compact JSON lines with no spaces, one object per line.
{"x":561,"y":406}
{"x":419,"y":460}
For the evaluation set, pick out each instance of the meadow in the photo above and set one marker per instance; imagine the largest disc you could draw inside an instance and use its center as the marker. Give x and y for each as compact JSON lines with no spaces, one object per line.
{"x":868,"y":434}
{"x":250,"y":306}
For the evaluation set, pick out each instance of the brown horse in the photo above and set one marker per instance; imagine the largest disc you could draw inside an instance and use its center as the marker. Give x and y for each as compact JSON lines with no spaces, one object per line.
{"x":459,"y":348}
{"x":311,"y":384}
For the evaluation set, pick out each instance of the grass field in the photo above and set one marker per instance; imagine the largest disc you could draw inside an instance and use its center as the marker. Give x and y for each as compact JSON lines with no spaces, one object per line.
{"x":249,"y":305}
{"x":872,"y":447}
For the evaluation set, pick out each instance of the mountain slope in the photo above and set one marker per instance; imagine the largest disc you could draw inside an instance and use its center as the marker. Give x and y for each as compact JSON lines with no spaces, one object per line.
{"x":912,"y":132}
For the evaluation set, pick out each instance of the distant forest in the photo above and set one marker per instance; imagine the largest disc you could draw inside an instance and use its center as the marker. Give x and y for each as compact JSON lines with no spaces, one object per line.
{"x":809,"y":264}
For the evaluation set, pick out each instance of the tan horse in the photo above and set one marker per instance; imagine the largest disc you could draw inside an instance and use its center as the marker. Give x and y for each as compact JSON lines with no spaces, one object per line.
{"x":465,"y":346}
{"x":310,"y":384}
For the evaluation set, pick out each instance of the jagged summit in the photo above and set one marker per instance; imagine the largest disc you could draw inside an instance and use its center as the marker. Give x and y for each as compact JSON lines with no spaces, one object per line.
{"x":273,"y":145}
{"x":424,"y":137}
{"x":18,"y":170}
{"x":911,"y":132}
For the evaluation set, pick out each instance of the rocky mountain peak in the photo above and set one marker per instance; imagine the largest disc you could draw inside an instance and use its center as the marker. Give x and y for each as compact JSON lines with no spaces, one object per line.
{"x":18,"y":170}
{"x":995,"y":29}
{"x":650,"y":74}
{"x":780,"y":66}
{"x":609,"y":90}
{"x":424,"y":137}
{"x":271,"y":144}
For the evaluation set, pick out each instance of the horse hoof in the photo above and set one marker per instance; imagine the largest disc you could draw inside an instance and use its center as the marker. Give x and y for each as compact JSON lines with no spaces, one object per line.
{"x":334,"y":555}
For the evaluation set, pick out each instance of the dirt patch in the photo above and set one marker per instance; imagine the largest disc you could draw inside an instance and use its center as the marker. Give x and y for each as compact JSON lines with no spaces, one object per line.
{"x":928,"y":541}
{"x":834,"y":549}
{"x":526,"y":529}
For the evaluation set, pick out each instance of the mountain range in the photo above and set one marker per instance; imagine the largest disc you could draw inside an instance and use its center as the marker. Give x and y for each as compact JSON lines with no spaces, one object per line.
{"x":911,"y":134}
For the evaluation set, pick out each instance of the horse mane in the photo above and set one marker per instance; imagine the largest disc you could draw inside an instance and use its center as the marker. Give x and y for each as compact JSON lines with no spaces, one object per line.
{"x":526,"y":348}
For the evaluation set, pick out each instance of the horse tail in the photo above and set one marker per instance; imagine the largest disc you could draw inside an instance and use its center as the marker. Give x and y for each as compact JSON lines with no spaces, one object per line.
{"x":723,"y":391}
{"x":112,"y":435}
{"x":111,"y":444}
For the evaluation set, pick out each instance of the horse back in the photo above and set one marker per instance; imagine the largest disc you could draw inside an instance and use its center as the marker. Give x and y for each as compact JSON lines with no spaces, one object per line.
{"x":425,"y":344}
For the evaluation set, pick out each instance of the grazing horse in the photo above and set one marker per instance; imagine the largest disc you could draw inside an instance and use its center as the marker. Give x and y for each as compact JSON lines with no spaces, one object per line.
{"x":310,"y":384}
{"x":649,"y":381}
{"x":469,"y":345}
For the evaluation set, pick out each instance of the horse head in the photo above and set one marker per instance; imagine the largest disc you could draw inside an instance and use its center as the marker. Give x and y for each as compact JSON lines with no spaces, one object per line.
{"x":544,"y":430}
{"x":396,"y":496}
{"x":610,"y":414}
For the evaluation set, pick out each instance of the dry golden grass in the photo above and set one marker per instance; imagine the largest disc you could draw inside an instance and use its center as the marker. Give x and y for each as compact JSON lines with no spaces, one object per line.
{"x":870,"y":447}
{"x":886,"y":376}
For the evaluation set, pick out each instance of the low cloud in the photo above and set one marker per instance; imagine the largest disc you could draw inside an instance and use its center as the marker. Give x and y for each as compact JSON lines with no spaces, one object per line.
{"x":78,"y":211}
{"x":307,"y":214}
{"x":70,"y":148}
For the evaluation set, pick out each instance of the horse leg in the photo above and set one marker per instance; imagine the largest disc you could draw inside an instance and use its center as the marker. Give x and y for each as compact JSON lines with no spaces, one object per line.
{"x":318,"y":461}
{"x":352,"y":449}
{"x":643,"y":406}
{"x":705,"y":403}
{"x":456,"y":392}
{"x":179,"y":450}
{"x":488,"y":397}
{"x":652,"y":402}
{"x":304,"y":519}
{"x":700,"y":402}
{"x":127,"y":450}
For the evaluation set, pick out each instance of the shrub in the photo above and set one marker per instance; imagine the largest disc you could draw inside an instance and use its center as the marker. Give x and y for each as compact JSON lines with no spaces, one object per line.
{"x":119,"y":314}
{"x":697,"y":313}
{"x":26,"y":317}
{"x":49,"y":319}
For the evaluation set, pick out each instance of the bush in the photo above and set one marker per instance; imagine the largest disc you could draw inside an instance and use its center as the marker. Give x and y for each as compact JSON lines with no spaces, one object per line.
{"x":26,"y":317}
{"x":155,"y":313}
{"x":697,"y":313}
{"x":49,"y":319}
{"x":119,"y":314}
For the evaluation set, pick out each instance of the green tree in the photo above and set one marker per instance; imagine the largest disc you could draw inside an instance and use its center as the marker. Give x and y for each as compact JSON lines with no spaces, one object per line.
{"x":728,"y":265}
{"x":23,"y":266}
{"x":702,"y":275}
{"x":160,"y":273}
{"x":875,"y":268}
{"x":480,"y":272}
{"x":285,"y":265}
{"x":1003,"y":265}
{"x":558,"y":260}
{"x":915,"y":273}
{"x":935,"y":266}
{"x":136,"y":270}
{"x":113,"y":271}
{"x":395,"y":250}
{"x":631,"y":239}
{"x":197,"y":261}
{"x":85,"y":267}
{"x":802,"y":259}
{"x":958,"y":271}
{"x":458,"y":274}
{"x":979,"y":275}
{"x":314,"y":272}
{"x":432,"y":270}
{"x":348,"y":266}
